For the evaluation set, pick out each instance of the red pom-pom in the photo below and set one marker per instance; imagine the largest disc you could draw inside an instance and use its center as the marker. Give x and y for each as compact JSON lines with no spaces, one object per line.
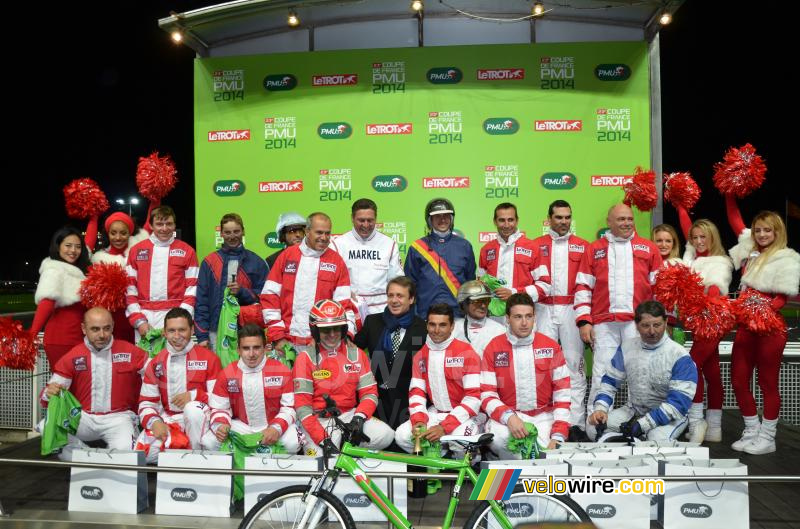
{"x":84,"y":199}
{"x":681,"y":190}
{"x":251,"y":314}
{"x":708,"y":317}
{"x":641,"y":190}
{"x":753,"y":311}
{"x":17,"y":347}
{"x":670,"y":281}
{"x":156,"y":176}
{"x":740,"y":172}
{"x":104,"y":286}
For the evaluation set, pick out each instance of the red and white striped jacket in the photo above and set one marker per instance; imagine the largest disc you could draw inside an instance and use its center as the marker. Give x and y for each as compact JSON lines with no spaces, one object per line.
{"x":344,"y":374}
{"x":526,"y":375}
{"x":448,"y":374}
{"x":161,"y":276}
{"x":261,"y":396}
{"x":615,"y":276}
{"x":300,"y":277}
{"x":170,"y":373}
{"x":518,"y":262}
{"x":104,"y":381}
{"x":562,"y":256}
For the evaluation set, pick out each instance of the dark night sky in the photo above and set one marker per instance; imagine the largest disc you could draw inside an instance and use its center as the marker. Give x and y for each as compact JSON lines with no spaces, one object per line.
{"x":111,"y":87}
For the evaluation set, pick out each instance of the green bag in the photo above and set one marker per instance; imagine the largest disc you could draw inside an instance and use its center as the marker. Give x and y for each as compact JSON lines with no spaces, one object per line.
{"x":528,"y":447}
{"x":243,"y":445}
{"x":497,"y":307}
{"x":432,"y":449}
{"x":227,"y":337}
{"x":63,"y":417}
{"x":287,"y":358}
{"x":153,"y":342}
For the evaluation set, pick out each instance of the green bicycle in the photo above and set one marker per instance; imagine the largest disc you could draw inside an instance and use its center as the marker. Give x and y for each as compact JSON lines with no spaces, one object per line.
{"x":313,"y":506}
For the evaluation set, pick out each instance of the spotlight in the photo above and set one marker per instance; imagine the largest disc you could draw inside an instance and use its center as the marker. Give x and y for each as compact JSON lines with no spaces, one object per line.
{"x":538,"y":9}
{"x":293,"y":20}
{"x":177,"y":36}
{"x":417,"y":5}
{"x":665,"y":18}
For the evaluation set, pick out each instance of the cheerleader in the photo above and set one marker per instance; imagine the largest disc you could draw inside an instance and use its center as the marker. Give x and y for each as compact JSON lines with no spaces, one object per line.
{"x":705,"y":256}
{"x":773,"y":270}
{"x":122,"y":235}
{"x":666,"y":239}
{"x":58,"y":306}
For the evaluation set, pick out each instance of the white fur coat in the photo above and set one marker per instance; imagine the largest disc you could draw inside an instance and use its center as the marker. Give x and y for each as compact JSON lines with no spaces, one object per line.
{"x":716,"y":270}
{"x":102,"y":256}
{"x":779,"y":275}
{"x":59,"y":281}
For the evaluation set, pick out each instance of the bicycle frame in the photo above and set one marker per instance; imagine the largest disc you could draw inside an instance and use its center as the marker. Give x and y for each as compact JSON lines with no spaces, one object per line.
{"x":347,"y":463}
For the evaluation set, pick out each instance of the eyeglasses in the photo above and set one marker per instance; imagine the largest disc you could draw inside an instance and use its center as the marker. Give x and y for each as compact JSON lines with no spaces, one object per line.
{"x":293,"y":229}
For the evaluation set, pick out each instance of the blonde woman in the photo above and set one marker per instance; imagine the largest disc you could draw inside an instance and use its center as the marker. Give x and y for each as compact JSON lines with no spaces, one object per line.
{"x":666,"y":239}
{"x":772,"y":269}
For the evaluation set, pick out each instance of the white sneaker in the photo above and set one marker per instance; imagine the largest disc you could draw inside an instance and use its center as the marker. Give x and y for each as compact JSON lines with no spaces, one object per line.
{"x":713,"y":434}
{"x":697,"y":430}
{"x":761,"y":445}
{"x":749,"y":435}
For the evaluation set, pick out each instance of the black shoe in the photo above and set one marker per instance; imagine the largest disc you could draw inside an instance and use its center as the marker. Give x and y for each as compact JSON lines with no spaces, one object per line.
{"x":576,"y":435}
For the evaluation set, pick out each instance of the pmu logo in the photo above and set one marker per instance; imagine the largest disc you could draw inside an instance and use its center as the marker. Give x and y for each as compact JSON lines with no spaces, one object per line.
{"x":601,"y":510}
{"x":280,"y":186}
{"x":339,"y":79}
{"x":613,"y":124}
{"x":181,"y":494}
{"x":444,"y":75}
{"x":610,"y":181}
{"x":279,"y":81}
{"x":557,"y":73}
{"x":228,"y":135}
{"x":501,"y":181}
{"x":272,"y":241}
{"x":91,"y":493}
{"x":501,"y":74}
{"x":228,"y":85}
{"x":388,"y":77}
{"x":558,"y":125}
{"x":612,"y":72}
{"x":559,"y":181}
{"x":498,"y":126}
{"x":356,"y":500}
{"x":448,"y":182}
{"x":696,"y":510}
{"x":389,"y":128}
{"x":389,"y":183}
{"x":336,"y":130}
{"x":229,"y":188}
{"x":519,"y":510}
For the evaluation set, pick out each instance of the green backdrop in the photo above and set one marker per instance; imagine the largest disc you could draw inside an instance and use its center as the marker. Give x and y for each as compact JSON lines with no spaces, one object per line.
{"x":476,"y":124}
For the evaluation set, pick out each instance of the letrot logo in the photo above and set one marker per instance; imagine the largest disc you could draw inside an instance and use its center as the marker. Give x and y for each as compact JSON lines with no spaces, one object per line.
{"x":339,"y":79}
{"x":445,"y":75}
{"x":279,"y":81}
{"x":389,"y":128}
{"x":335,"y":130}
{"x":609,"y":180}
{"x":91,"y":493}
{"x":389,"y":183}
{"x":601,"y":510}
{"x":612,"y":72}
{"x":448,"y":182}
{"x":519,"y":510}
{"x":696,"y":510}
{"x":182,"y":494}
{"x":229,"y":135}
{"x":280,"y":186}
{"x":356,"y":500}
{"x":558,"y":125}
{"x":500,"y":126}
{"x":501,"y":74}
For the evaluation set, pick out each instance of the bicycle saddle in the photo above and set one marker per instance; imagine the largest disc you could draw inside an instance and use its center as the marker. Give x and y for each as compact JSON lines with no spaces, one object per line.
{"x":480,"y":439}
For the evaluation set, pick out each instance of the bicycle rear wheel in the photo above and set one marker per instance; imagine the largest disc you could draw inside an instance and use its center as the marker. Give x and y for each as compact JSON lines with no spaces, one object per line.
{"x":524,"y":508}
{"x":284,"y":508}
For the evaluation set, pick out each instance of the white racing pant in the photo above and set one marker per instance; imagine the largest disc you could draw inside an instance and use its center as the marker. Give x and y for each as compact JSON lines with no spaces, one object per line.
{"x":117,"y":430}
{"x":472,"y":426}
{"x":379,"y":433}
{"x":542,"y":421}
{"x":155,"y":318}
{"x":289,"y":439}
{"x":194,"y":422}
{"x":668,"y":432}
{"x":557,"y":322}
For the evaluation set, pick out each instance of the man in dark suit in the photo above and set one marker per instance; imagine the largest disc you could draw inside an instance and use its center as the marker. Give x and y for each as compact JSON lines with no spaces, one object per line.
{"x":392,"y":337}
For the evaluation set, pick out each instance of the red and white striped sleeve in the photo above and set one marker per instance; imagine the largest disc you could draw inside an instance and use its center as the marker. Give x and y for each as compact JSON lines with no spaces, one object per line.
{"x":150,"y":406}
{"x":559,"y":374}
{"x":541,"y":286}
{"x":190,"y":274}
{"x":584,"y":285}
{"x":418,"y":390}
{"x":470,"y":403}
{"x":286,"y":415}
{"x":220,"y":402}
{"x":133,"y":311}
{"x":490,"y":398}
{"x":270,"y":300}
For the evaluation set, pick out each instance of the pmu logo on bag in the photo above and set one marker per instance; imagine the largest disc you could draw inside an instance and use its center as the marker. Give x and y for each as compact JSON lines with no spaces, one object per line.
{"x":229,"y":188}
{"x":601,"y":510}
{"x":498,"y":126}
{"x":229,"y":135}
{"x":389,"y":128}
{"x":117,"y":358}
{"x":696,"y":510}
{"x":501,"y":74}
{"x":612,"y":72}
{"x":356,"y":500}
{"x":197,"y":365}
{"x":91,"y":493}
{"x":559,"y":181}
{"x":280,"y":186}
{"x":339,"y":79}
{"x":610,"y":180}
{"x":279,"y":81}
{"x":444,"y":75}
{"x":456,"y":361}
{"x":389,"y":183}
{"x":558,"y":125}
{"x":228,"y":85}
{"x":448,"y":182}
{"x":183,"y":494}
{"x":335,"y":130}
{"x":519,"y":510}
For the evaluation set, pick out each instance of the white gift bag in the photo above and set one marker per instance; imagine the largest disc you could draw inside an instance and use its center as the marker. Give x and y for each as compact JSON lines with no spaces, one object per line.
{"x":531,"y":467}
{"x":599,"y":454}
{"x":194,"y":494}
{"x":697,"y":452}
{"x":620,"y":448}
{"x":614,"y":511}
{"x":359,"y":504}
{"x":256,"y":487}
{"x":111,"y":491}
{"x":704,"y":504}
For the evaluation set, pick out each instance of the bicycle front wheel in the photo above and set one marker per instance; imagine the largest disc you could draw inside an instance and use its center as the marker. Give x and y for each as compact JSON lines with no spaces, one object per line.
{"x":524,"y":508}
{"x":284,"y":508}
